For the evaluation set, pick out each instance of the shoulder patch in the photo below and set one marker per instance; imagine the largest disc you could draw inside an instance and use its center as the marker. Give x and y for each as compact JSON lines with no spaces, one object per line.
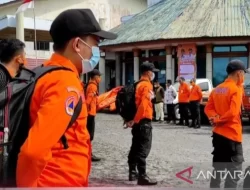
{"x":70,"y":104}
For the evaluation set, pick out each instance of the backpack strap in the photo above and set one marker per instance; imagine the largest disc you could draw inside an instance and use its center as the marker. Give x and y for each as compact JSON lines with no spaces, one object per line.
{"x":39,"y":72}
{"x":74,"y":117}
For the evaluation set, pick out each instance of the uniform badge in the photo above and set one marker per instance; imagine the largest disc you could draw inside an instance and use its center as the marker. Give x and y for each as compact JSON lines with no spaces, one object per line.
{"x":70,"y":105}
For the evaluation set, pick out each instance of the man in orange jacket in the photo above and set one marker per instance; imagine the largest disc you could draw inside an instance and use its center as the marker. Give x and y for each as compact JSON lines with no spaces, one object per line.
{"x":91,"y":101}
{"x":195,"y":99}
{"x":223,"y":110}
{"x":184,"y":93}
{"x":43,"y":161}
{"x":142,"y":127}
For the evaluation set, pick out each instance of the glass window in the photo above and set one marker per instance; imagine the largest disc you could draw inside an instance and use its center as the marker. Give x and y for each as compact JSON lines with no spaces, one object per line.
{"x":204,"y":86}
{"x":219,"y":68}
{"x":238,"y":48}
{"x":222,"y":49}
{"x":43,"y":46}
{"x":161,"y":75}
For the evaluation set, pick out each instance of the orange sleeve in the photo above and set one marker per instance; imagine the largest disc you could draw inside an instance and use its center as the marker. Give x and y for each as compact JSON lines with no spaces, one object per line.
{"x":209,"y":108}
{"x":199,"y":92}
{"x":235,"y":107}
{"x":143,"y":105}
{"x":91,"y":101}
{"x":52,"y":119}
{"x":188,"y":90}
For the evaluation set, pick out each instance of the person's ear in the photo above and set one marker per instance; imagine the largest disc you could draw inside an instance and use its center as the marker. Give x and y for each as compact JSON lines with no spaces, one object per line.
{"x":18,"y":59}
{"x":76,"y":44}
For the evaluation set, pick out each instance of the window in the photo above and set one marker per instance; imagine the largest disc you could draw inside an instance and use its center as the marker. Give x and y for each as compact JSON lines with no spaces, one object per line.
{"x":236,"y":48}
{"x":221,"y":49}
{"x":220,"y":65}
{"x":204,"y":86}
{"x":43,"y":46}
{"x":161,"y":75}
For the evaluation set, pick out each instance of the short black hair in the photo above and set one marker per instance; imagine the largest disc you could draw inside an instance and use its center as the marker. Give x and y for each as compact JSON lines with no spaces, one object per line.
{"x":169,"y":81}
{"x":182,"y":78}
{"x":10,"y":48}
{"x":60,"y":46}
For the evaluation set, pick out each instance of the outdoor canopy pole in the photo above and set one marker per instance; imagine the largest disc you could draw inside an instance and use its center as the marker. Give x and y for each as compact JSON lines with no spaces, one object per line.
{"x":35,"y":30}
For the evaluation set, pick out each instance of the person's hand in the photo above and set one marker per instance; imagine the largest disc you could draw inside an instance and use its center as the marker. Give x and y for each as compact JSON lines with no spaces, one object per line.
{"x":129,"y":124}
{"x":214,"y":120}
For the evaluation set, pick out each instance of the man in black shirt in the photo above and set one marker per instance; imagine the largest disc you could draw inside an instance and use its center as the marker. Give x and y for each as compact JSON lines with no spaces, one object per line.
{"x":12,"y":59}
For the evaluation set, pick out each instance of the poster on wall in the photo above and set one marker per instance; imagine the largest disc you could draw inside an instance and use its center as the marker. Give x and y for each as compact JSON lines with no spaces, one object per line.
{"x":187,"y":61}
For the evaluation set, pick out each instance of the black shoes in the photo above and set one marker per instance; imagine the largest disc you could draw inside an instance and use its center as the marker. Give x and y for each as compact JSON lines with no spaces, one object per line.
{"x":145,"y":180}
{"x":95,"y":159}
{"x":133,"y":176}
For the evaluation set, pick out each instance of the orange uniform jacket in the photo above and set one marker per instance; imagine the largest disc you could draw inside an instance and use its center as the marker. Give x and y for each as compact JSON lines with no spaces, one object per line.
{"x":42,"y":161}
{"x":184,"y":93}
{"x":91,"y":97}
{"x":195,"y":93}
{"x":143,"y":96}
{"x":225,"y":101}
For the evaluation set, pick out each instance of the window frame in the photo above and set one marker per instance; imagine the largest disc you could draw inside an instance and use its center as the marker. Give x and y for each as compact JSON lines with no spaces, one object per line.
{"x":45,"y":44}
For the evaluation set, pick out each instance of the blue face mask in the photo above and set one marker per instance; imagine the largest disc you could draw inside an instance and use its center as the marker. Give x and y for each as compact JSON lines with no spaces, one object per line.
{"x":89,"y":65}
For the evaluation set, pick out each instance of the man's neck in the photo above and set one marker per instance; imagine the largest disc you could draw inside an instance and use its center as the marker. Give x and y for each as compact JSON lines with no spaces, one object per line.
{"x":11,"y":67}
{"x":232,"y":78}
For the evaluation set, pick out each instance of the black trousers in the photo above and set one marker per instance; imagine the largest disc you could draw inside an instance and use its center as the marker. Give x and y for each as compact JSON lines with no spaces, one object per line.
{"x":141,"y":146}
{"x":227,"y":155}
{"x":171,"y":112}
{"x":195,"y":112}
{"x":183,"y":108}
{"x":91,"y":126}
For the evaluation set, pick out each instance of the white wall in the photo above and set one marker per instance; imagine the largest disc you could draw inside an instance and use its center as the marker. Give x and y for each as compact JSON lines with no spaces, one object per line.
{"x":31,"y":53}
{"x":110,"y":11}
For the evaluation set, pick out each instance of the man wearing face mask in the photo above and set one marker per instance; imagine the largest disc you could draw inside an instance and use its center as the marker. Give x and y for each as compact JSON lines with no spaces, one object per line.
{"x":223,"y":110}
{"x":142,"y":127}
{"x":43,"y":161}
{"x":12,"y":59}
{"x":91,"y":101}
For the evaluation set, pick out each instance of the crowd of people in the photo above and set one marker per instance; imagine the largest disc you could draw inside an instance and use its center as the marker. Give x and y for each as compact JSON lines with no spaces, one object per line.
{"x":43,"y":161}
{"x":189,"y":98}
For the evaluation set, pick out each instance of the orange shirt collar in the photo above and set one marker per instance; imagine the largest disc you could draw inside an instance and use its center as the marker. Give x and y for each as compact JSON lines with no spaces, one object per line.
{"x":93,"y":81}
{"x":230,"y":80}
{"x":64,"y":62}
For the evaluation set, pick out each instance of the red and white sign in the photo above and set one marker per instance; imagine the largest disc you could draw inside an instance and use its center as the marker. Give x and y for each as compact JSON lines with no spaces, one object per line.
{"x":187,"y":61}
{"x":27,"y":4}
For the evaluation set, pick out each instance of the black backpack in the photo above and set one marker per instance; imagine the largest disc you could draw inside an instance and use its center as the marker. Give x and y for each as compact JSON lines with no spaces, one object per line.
{"x":14,"y":119}
{"x":125,"y":102}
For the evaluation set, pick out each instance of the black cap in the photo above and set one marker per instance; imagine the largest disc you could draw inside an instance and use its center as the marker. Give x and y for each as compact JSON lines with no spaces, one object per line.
{"x":94,"y":73}
{"x":76,"y":23}
{"x":236,"y":65}
{"x":148,"y":67}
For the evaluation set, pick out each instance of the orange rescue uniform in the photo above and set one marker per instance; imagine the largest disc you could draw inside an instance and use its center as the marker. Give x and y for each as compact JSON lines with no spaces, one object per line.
{"x":143,"y":96}
{"x":92,"y":97}
{"x":225,"y":101}
{"x":42,"y":161}
{"x":184,"y":93}
{"x":195,"y":93}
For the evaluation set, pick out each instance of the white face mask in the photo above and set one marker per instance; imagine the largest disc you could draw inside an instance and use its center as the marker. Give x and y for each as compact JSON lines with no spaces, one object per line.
{"x":152,"y":76}
{"x":89,"y":65}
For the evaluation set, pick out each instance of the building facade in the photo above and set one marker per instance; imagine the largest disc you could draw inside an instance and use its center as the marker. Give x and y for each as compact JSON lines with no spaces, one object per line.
{"x":218,"y":31}
{"x":107,"y":12}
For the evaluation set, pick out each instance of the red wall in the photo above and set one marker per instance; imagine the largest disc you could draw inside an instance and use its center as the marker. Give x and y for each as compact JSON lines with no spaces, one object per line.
{"x":31,"y":63}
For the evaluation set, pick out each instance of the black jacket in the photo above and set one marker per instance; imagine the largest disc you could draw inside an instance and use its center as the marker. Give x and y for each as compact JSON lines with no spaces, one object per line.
{"x":4,"y":77}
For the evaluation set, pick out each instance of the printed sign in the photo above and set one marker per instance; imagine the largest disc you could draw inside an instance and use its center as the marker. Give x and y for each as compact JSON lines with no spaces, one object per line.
{"x":187,"y":61}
